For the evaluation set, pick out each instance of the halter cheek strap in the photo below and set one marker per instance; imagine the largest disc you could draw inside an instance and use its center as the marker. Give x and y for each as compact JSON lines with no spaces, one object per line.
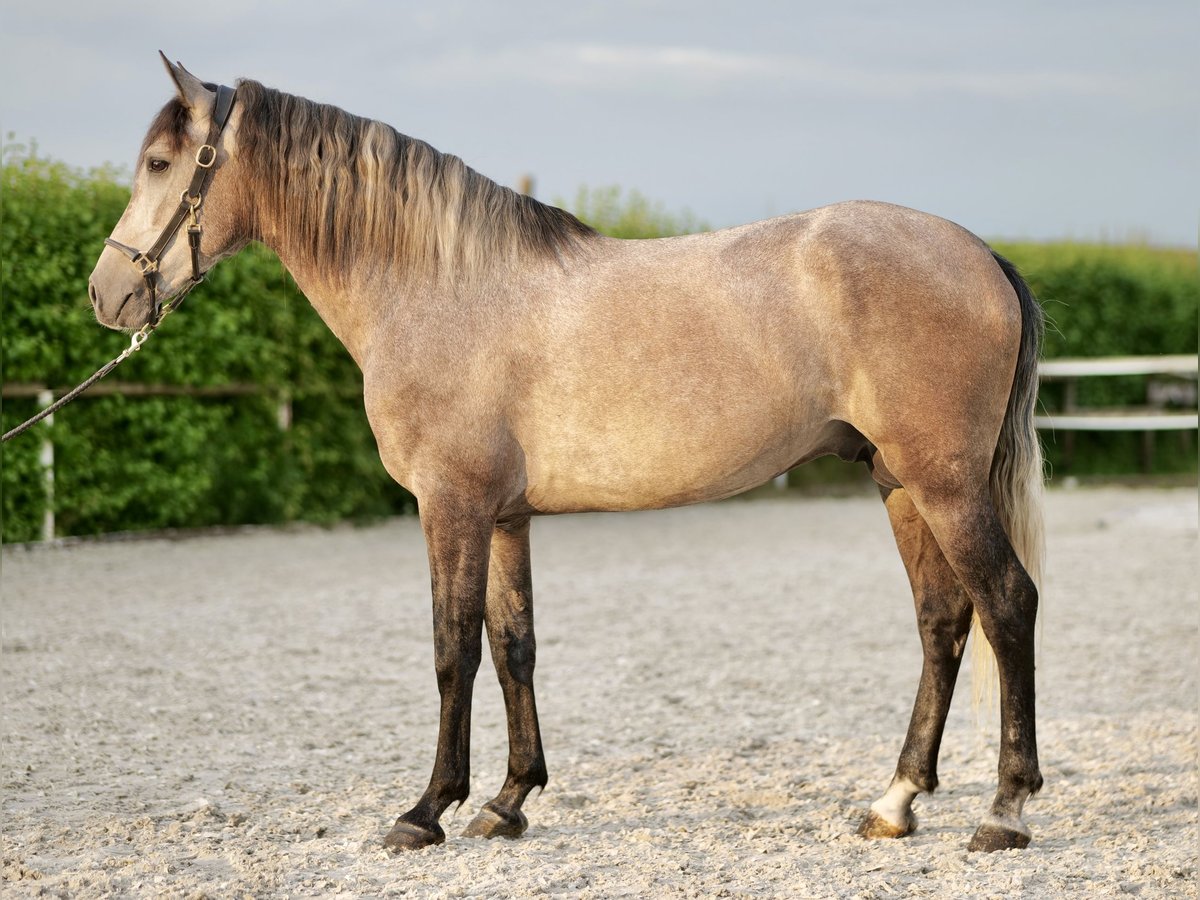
{"x":189,"y":204}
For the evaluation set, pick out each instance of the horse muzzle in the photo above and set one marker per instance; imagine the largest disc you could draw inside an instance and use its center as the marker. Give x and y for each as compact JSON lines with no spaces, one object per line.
{"x":121,"y":306}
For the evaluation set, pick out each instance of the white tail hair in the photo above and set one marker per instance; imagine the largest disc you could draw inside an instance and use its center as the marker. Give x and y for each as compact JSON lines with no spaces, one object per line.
{"x":1017,"y":477}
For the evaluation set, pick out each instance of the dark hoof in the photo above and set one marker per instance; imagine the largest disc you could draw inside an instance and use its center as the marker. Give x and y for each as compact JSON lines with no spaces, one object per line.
{"x":876,"y":826}
{"x":988,"y":838}
{"x":407,"y":836}
{"x":492,"y":823}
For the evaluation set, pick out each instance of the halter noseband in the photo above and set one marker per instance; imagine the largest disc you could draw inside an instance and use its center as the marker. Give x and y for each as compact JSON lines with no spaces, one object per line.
{"x":189,"y":202}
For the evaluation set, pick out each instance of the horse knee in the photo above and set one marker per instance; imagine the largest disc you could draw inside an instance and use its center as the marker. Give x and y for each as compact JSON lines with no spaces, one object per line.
{"x":520,"y":656}
{"x":457,"y":665}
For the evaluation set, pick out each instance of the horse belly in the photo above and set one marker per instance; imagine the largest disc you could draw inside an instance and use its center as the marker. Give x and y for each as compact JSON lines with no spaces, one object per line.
{"x":654,"y":448}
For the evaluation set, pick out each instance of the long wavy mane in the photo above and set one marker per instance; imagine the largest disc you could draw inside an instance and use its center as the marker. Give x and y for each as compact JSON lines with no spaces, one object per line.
{"x":340,"y":190}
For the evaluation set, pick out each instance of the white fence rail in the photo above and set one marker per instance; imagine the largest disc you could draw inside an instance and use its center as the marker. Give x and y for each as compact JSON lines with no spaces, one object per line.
{"x":1161,"y":394}
{"x":1170,"y":400}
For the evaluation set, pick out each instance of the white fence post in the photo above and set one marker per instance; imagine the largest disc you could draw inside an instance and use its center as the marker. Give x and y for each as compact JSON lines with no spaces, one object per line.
{"x":283,"y":412}
{"x":46,"y":458}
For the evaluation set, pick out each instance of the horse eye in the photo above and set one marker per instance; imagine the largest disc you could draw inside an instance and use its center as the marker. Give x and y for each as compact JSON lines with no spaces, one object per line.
{"x":157,"y":165}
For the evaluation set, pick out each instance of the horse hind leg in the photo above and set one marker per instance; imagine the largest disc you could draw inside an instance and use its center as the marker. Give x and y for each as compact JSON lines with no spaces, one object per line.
{"x":943,"y":618}
{"x":509,"y":617}
{"x":963,"y":520}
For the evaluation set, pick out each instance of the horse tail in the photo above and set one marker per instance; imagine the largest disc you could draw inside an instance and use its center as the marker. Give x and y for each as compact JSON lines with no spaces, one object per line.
{"x":1017,"y":476}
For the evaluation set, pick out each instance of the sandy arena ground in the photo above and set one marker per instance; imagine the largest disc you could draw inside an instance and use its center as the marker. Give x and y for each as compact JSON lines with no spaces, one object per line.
{"x":723,"y":691}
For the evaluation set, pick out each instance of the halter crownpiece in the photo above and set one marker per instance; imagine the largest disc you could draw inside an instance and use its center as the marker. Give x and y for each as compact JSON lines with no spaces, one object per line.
{"x":189,"y":205}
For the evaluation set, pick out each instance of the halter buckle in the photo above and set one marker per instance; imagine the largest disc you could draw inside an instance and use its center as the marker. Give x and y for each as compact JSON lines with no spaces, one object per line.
{"x":145,"y":264}
{"x":206,"y":161}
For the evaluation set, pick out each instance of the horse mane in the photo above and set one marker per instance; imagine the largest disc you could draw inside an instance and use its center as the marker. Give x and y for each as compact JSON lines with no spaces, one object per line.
{"x":340,"y":190}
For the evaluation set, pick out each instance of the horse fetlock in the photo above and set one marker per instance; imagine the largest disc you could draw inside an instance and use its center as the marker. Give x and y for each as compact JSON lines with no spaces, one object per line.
{"x":913,"y":776}
{"x":533,"y":775}
{"x":453,"y":793}
{"x":1018,"y":782}
{"x":1025,"y":782}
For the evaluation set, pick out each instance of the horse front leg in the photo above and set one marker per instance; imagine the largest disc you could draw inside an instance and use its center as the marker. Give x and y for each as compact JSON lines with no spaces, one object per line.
{"x":509,"y":618}
{"x":458,"y":540}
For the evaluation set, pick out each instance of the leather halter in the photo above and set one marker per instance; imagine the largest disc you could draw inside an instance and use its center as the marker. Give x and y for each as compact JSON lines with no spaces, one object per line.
{"x":189,"y":203}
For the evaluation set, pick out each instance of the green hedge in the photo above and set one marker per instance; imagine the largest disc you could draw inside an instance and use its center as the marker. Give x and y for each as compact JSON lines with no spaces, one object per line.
{"x":619,"y":214}
{"x":1106,"y":300}
{"x":126,"y":463}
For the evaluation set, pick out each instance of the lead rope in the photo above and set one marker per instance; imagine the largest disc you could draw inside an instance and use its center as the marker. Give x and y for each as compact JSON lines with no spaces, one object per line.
{"x":135,"y":344}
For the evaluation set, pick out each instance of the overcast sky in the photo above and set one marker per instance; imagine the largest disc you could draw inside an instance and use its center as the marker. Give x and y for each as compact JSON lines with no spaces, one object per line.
{"x":1022,"y":119}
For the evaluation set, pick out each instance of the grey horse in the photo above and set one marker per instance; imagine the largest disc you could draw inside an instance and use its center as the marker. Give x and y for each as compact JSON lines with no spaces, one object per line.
{"x":516,"y":363}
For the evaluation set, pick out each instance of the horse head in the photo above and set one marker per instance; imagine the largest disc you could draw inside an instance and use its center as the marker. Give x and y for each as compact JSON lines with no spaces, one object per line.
{"x":183,"y":213}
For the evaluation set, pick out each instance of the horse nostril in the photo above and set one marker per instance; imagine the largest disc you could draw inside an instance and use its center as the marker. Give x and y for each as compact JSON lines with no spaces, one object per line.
{"x":92,"y":294}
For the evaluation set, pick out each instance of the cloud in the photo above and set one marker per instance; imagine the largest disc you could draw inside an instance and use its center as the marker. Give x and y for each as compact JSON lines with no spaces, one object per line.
{"x":701,"y":70}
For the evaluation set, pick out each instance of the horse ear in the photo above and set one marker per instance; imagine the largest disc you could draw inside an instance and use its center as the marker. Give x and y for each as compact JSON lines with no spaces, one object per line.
{"x":192,"y":92}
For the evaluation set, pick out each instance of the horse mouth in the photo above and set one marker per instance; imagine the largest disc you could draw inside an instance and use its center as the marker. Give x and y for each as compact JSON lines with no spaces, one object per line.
{"x":121,"y":308}
{"x":117,"y":320}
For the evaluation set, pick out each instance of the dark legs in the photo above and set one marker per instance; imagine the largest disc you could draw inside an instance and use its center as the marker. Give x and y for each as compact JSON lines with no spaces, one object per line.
{"x":458,"y":542}
{"x":943,"y":619}
{"x":509,"y":617}
{"x":1006,"y":602}
{"x":964,"y":527}
{"x":479,"y":574}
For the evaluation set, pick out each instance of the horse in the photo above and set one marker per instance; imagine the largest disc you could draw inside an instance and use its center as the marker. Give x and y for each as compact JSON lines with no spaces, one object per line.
{"x":516,"y":363}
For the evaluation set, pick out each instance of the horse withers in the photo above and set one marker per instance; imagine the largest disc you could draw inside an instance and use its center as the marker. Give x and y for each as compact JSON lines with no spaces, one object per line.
{"x":516,"y":363}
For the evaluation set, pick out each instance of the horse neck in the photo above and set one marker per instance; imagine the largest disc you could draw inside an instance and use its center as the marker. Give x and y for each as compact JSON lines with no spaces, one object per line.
{"x":353,"y":303}
{"x":430,"y":229}
{"x":350,"y":307}
{"x":358,"y":302}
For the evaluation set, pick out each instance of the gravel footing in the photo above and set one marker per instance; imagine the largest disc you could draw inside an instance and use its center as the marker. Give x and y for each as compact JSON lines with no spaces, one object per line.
{"x":723,"y":691}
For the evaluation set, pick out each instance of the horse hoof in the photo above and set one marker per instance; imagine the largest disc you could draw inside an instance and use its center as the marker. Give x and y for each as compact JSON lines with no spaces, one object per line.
{"x":876,"y":826}
{"x":407,"y":836}
{"x":492,"y":823}
{"x":989,"y":838}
